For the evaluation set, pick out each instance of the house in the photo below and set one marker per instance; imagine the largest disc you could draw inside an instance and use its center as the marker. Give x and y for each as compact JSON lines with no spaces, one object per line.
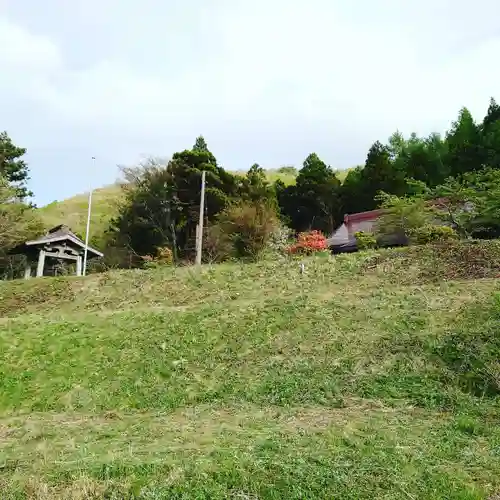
{"x":343,"y":239}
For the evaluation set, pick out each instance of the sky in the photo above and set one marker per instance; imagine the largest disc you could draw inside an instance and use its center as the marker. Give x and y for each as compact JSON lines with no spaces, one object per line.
{"x":263,"y":81}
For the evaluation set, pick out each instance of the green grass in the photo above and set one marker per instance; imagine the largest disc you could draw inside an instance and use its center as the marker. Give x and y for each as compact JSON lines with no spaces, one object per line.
{"x":349,"y":381}
{"x":73,"y":211}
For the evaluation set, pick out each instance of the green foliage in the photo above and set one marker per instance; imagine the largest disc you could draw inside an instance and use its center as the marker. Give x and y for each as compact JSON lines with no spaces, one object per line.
{"x":401,"y":216}
{"x":279,"y":241}
{"x":256,"y":188}
{"x":431,"y":233}
{"x":471,"y":203}
{"x":314,"y":201}
{"x":243,"y":230}
{"x":161,"y":206}
{"x":464,"y":145}
{"x":18,"y":223}
{"x":288,"y":170}
{"x":13,"y":168}
{"x":313,"y":197}
{"x":365,"y":241}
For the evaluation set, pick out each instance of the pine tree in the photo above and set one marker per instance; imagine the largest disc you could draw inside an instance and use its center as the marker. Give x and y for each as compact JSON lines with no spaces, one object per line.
{"x":490,"y":135}
{"x":200,"y":144}
{"x":465,"y":153}
{"x":12,"y":168}
{"x":380,"y":174}
{"x":314,"y":201}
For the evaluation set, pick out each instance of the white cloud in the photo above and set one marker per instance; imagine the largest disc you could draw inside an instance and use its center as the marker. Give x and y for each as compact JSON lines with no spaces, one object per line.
{"x":385,"y":67}
{"x":266,"y":81}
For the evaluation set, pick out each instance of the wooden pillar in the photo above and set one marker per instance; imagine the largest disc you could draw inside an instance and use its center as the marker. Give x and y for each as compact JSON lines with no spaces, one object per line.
{"x":79,"y":265}
{"x":27,"y":271}
{"x":41,"y":263}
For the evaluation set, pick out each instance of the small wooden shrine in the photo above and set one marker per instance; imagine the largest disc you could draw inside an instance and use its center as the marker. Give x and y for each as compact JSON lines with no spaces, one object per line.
{"x":59,"y":244}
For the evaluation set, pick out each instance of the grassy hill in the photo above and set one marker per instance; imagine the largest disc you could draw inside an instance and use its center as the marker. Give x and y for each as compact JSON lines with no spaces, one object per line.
{"x":367,"y":376}
{"x":73,"y":211}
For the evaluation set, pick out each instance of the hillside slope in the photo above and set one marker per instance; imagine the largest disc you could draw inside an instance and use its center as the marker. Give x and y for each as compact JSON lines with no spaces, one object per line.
{"x":253,"y":381}
{"x":73,"y":211}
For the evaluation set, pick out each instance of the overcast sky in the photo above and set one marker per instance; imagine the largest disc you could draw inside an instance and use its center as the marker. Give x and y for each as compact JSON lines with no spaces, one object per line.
{"x":263,"y":81}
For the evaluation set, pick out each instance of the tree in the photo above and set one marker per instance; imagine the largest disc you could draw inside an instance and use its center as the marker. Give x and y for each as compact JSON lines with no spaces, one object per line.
{"x":471,"y":203}
{"x":163,"y":200}
{"x":380,"y":174}
{"x":490,"y":135}
{"x":13,"y":169}
{"x":200,"y":144}
{"x":148,"y":218}
{"x":18,"y":223}
{"x":352,"y":191}
{"x":402,"y":214}
{"x":464,"y":145}
{"x":314,"y":201}
{"x":256,"y":187}
{"x":423,"y":159}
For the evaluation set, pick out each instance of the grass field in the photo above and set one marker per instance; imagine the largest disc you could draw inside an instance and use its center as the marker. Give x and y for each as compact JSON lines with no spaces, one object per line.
{"x":365,"y":377}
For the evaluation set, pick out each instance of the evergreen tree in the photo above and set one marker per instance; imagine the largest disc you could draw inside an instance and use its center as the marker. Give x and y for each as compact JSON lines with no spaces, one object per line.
{"x":490,"y":135}
{"x":256,"y":187}
{"x":200,"y":144}
{"x":352,"y":192}
{"x":13,"y":168}
{"x":423,"y":159}
{"x":464,"y":145}
{"x":163,"y":203}
{"x":380,"y":174}
{"x":314,"y":201}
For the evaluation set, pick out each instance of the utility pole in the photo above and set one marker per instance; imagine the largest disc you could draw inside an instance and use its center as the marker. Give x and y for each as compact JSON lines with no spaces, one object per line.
{"x":84,"y":271}
{"x":199,"y":240}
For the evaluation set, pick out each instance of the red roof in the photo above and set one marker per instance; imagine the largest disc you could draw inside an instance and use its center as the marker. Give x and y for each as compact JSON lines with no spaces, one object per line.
{"x":362,"y":216}
{"x":375,"y":214}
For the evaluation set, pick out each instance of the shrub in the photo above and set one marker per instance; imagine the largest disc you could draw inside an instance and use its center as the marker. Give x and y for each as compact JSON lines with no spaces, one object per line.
{"x":431,"y":233}
{"x":279,"y":241}
{"x":164,"y":255}
{"x":217,"y":245}
{"x":401,"y":216}
{"x":365,"y":241}
{"x":309,"y":243}
{"x":242,"y":231}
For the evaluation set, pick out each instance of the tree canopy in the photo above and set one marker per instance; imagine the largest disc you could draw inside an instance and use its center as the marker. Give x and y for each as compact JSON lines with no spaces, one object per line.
{"x":13,"y":169}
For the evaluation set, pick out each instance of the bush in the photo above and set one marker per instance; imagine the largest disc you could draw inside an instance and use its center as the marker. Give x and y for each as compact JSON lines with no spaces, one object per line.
{"x":18,"y":223}
{"x":431,"y":233}
{"x":242,"y":231}
{"x":365,"y":241}
{"x":279,"y":241}
{"x":309,"y":243}
{"x":401,"y":216}
{"x":217,"y":245}
{"x":165,"y":256}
